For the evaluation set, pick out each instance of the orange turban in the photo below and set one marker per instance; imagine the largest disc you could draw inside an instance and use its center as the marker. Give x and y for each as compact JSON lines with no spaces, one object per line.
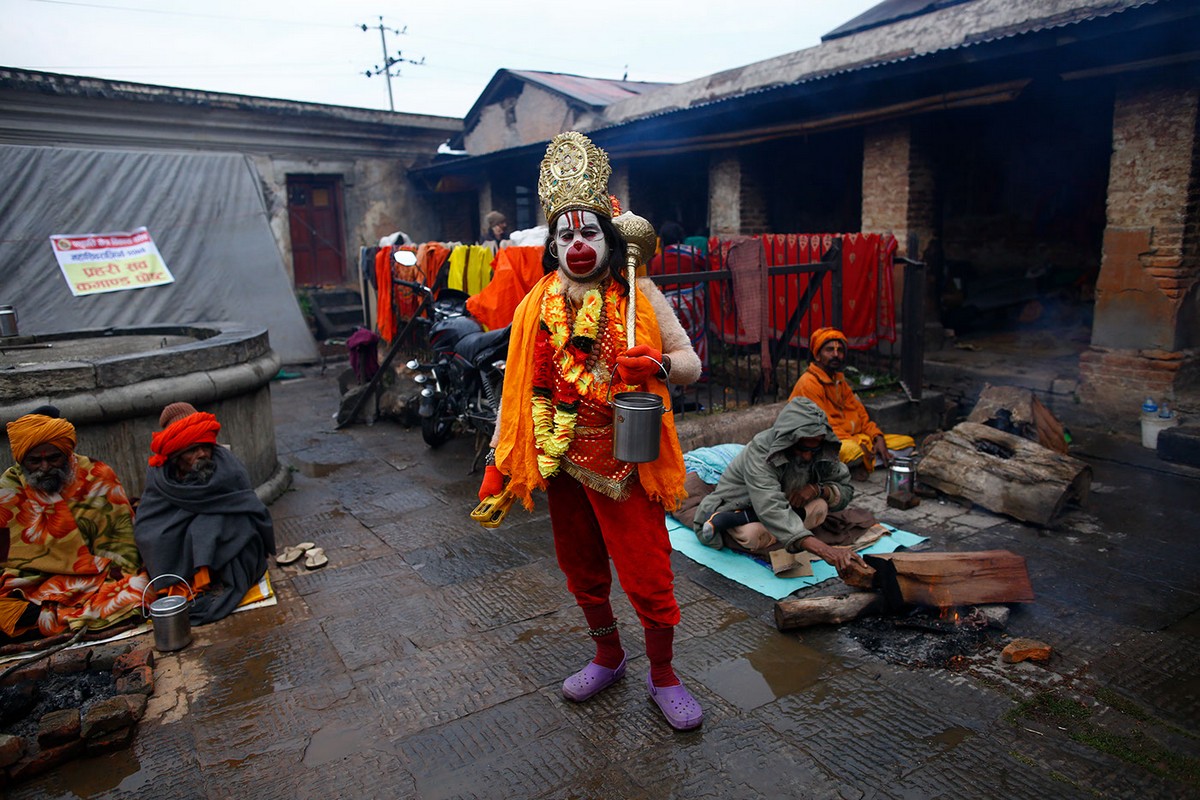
{"x":822,"y":335}
{"x":199,"y":428}
{"x":29,"y":431}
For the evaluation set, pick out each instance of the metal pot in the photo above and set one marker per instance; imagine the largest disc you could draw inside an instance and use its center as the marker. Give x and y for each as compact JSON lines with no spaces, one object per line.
{"x":637,"y":425}
{"x":172,"y":627}
{"x":8,"y":321}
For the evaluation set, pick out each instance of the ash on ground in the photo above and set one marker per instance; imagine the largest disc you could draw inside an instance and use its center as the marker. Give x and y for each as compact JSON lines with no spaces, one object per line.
{"x":22,"y":706}
{"x":920,"y":639}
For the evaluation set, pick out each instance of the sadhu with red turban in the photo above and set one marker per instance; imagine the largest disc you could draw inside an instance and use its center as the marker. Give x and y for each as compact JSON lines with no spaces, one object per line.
{"x":184,"y":433}
{"x":825,"y":384}
{"x":199,"y":517}
{"x":67,"y":555}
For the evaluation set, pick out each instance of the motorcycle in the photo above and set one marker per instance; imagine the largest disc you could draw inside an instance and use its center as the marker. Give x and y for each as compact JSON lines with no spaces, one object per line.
{"x":463,"y":382}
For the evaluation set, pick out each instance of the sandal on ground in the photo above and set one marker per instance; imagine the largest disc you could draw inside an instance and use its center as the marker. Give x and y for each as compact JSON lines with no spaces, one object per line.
{"x":682,"y":711}
{"x":315,"y":558}
{"x":591,"y":680}
{"x":293,"y":554}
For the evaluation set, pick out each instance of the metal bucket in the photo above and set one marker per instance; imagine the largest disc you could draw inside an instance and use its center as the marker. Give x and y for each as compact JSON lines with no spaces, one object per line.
{"x":8,"y":321}
{"x":637,"y":424}
{"x":172,"y":627}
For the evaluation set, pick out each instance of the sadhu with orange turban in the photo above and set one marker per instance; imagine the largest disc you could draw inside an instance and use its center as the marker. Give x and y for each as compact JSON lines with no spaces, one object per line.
{"x":825,"y":384}
{"x":67,"y":554}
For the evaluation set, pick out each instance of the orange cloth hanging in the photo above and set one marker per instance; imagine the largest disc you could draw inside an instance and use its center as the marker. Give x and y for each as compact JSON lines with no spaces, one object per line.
{"x":385,"y":320}
{"x":515,"y":271}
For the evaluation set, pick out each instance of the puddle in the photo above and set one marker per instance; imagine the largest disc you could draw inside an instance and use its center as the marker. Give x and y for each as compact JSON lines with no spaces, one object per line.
{"x":531,"y":634}
{"x":950,"y":738}
{"x":332,"y":743}
{"x":777,"y":669}
{"x":316,"y":470}
{"x":90,"y":777}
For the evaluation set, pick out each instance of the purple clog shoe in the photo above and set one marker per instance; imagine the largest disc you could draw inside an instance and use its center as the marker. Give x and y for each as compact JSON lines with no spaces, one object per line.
{"x":591,"y":680}
{"x":682,"y":710}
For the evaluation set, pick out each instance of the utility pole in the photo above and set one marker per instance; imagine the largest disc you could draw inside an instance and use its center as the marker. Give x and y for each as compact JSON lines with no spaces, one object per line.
{"x":389,"y":61}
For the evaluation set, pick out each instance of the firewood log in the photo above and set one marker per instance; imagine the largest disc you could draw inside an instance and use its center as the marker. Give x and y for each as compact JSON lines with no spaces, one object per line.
{"x":804,"y":612}
{"x":1004,"y":473}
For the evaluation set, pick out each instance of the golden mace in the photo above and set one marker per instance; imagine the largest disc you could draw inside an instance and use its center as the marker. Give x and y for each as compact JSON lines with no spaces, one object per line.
{"x":640,"y":243}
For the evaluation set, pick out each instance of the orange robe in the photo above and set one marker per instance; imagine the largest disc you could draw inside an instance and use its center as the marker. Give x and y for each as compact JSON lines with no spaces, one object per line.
{"x":847,"y":415}
{"x":516,"y":453}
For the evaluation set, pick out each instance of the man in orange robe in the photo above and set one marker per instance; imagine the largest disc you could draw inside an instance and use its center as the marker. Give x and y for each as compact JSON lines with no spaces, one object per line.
{"x":555,"y":432}
{"x":825,"y":384}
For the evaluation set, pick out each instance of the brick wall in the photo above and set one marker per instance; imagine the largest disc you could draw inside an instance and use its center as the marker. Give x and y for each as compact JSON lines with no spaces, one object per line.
{"x":1146,"y":291}
{"x":724,"y":194}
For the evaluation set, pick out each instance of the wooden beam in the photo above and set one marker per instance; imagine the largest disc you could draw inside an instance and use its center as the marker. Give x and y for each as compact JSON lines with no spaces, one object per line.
{"x":943,"y":580}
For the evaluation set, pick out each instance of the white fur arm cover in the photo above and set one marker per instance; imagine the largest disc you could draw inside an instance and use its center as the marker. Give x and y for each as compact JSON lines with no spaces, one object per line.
{"x":685,"y":364}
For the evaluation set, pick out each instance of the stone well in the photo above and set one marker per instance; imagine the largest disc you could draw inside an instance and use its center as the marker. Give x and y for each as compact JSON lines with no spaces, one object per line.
{"x":112,"y":384}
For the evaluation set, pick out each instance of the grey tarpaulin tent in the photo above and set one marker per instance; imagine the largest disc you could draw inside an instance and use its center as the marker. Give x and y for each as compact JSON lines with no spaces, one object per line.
{"x":206,"y":216}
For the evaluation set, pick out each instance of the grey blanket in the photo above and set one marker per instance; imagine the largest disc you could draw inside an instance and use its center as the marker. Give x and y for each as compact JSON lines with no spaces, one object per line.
{"x":221,"y":525}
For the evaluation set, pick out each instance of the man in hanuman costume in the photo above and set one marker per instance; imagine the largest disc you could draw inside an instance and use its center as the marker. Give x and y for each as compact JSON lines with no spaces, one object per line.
{"x":567,"y":356}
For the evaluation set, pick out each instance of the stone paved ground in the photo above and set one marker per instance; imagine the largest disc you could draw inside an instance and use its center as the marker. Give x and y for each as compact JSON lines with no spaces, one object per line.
{"x":425,"y":660}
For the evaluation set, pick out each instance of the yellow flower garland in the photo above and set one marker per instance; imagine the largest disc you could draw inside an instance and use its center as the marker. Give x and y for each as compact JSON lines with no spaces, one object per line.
{"x":554,"y":416}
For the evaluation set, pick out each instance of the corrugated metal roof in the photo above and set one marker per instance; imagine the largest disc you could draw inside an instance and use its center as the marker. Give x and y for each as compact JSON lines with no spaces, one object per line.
{"x":953,"y":28}
{"x":595,"y":92}
{"x":887,"y":12}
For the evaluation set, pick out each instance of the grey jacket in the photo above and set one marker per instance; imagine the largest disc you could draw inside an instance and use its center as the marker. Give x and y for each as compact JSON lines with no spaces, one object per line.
{"x":761,"y":476}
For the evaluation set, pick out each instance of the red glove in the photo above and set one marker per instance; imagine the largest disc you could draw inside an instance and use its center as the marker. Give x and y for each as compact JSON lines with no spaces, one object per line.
{"x":493,"y":482}
{"x":638,"y":364}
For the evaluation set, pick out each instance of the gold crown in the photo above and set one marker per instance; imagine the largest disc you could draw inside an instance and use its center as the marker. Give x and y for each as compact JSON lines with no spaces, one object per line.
{"x":574,"y":175}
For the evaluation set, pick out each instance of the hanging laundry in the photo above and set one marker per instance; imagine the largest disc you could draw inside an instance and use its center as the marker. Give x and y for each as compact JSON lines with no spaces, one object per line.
{"x":515,"y":271}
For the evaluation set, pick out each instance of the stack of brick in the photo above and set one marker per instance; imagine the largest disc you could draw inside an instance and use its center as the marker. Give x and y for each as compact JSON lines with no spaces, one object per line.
{"x":100,"y":726}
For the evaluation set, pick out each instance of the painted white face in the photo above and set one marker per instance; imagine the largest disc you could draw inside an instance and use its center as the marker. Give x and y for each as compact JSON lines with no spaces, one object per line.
{"x":579,"y":242}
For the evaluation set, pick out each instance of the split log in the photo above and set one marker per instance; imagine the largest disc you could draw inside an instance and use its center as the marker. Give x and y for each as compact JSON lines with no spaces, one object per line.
{"x":944,"y":580}
{"x":833,"y":610}
{"x":858,"y":575}
{"x":1029,"y":417}
{"x":1004,"y":473}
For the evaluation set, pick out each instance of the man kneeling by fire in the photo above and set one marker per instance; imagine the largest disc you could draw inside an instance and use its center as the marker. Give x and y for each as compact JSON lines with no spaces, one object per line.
{"x":786,"y":490}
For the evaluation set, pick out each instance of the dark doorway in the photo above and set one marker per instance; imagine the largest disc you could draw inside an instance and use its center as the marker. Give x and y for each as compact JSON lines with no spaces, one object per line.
{"x":315,"y":221}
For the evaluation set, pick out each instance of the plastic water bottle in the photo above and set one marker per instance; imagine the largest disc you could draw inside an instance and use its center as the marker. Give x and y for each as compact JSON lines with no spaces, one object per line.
{"x":1164,"y":412}
{"x":1149,"y":408}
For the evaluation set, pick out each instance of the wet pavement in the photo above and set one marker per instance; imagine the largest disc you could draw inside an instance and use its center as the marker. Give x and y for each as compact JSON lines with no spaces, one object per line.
{"x":425,"y":660}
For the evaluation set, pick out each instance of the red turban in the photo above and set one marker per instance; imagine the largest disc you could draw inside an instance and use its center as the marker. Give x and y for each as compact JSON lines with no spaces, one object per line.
{"x":199,"y":428}
{"x":29,"y":431}
{"x":822,"y":335}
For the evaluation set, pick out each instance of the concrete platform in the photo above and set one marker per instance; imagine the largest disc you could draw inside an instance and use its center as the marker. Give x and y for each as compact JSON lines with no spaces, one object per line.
{"x":425,"y":660}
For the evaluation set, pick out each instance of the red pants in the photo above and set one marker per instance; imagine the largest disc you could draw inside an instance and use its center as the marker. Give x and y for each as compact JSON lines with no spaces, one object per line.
{"x":589,"y":528}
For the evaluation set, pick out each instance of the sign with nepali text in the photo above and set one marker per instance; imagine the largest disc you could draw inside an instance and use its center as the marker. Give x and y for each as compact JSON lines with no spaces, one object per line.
{"x":94,"y":263}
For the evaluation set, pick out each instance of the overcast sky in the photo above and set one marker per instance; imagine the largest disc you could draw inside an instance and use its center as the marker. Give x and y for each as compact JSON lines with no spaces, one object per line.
{"x":316,"y":50}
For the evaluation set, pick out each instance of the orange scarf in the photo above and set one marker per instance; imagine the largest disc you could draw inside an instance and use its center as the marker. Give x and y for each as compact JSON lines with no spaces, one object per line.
{"x":199,"y":428}
{"x":516,"y":453}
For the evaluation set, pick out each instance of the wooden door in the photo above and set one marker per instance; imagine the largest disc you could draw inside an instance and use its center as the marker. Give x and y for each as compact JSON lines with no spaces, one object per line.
{"x":315,"y":221}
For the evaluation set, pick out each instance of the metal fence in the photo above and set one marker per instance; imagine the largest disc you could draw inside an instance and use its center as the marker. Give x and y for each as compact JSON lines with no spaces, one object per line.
{"x":756,"y":355}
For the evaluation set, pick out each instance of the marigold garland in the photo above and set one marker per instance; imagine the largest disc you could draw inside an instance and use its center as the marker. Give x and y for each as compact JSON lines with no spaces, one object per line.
{"x":563,"y":349}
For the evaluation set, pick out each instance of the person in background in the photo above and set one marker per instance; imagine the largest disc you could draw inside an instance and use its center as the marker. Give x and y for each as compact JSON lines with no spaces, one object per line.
{"x":779,"y":489}
{"x":68,"y":559}
{"x":862,"y":442}
{"x":555,"y":431}
{"x":495,"y":234}
{"x":199,"y":517}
